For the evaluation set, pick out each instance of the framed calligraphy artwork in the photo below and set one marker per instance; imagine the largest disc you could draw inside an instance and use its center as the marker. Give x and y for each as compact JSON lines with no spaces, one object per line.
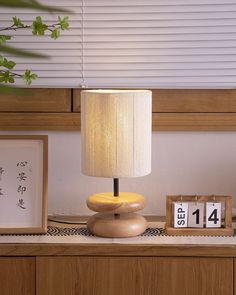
{"x":23,"y":184}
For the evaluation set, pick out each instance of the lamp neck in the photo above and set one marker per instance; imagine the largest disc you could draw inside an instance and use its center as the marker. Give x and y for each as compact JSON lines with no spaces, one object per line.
{"x":116,"y":187}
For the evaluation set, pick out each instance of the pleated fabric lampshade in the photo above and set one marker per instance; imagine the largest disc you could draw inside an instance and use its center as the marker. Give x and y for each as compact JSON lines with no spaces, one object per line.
{"x":116,"y":133}
{"x":116,"y":143}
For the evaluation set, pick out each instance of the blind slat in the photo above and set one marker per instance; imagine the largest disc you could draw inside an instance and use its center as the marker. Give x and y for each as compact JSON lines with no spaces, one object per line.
{"x":158,"y":9}
{"x":124,"y":3}
{"x":161,"y":44}
{"x":161,"y":66}
{"x":111,"y":24}
{"x":150,"y":59}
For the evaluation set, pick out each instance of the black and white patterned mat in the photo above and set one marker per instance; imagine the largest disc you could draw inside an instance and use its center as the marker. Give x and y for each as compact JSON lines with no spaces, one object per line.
{"x":56,"y":231}
{"x":83,"y":231}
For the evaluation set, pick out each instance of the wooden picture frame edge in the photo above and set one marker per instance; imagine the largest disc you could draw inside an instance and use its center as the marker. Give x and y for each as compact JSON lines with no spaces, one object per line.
{"x":42,"y":229}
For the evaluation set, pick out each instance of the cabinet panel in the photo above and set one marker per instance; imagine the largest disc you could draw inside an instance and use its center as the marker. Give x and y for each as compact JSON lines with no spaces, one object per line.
{"x":134,"y":276}
{"x":234,"y":276}
{"x":40,"y":121}
{"x":185,"y":100}
{"x":37,"y":100}
{"x":194,"y":100}
{"x":17,"y":276}
{"x":188,"y":109}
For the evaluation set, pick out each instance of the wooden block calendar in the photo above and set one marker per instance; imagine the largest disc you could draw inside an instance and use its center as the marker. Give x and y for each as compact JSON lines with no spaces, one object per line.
{"x":199,"y":215}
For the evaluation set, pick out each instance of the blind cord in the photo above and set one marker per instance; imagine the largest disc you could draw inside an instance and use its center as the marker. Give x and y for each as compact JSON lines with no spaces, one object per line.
{"x":83,"y":85}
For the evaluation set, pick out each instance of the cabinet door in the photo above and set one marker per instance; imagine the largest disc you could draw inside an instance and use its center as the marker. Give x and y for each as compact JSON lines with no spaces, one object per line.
{"x":235,"y":276}
{"x":44,"y":100}
{"x":17,"y":276}
{"x":38,"y":109}
{"x":134,"y":276}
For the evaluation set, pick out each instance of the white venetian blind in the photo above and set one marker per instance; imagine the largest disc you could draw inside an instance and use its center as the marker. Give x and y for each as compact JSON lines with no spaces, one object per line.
{"x":160,"y":43}
{"x":137,"y":43}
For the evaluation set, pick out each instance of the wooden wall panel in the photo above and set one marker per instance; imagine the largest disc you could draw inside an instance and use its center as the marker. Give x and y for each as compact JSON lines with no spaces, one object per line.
{"x":189,"y":109}
{"x":194,"y":122}
{"x":134,"y":276}
{"x":194,"y":100}
{"x":173,"y":110}
{"x":40,"y":121}
{"x":37,"y":100}
{"x":17,"y":276}
{"x":185,"y":100}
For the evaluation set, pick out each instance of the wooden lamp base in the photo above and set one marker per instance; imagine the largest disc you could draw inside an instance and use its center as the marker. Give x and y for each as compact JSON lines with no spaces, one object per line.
{"x":117,"y":226}
{"x":116,"y":218}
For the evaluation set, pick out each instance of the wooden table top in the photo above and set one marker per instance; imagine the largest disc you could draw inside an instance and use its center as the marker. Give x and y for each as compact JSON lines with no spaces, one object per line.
{"x":111,"y":249}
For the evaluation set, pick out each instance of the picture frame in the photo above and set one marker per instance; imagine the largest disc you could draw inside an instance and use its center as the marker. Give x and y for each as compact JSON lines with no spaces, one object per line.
{"x":23,"y":184}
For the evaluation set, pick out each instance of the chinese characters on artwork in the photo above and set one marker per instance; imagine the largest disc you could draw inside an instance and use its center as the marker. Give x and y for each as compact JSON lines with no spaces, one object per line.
{"x":21,"y":179}
{"x":21,"y":203}
{"x":22,"y":187}
{"x":22,"y":176}
{"x":22,"y":164}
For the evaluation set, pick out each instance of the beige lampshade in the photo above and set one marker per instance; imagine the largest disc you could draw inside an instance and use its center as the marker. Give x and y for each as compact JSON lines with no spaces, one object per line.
{"x":116,"y":132}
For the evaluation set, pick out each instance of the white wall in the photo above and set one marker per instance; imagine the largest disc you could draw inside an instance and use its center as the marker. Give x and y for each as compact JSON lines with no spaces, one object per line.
{"x":182,"y":163}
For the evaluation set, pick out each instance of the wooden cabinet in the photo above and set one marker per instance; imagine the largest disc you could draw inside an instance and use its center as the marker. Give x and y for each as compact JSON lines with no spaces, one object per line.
{"x":17,"y":276}
{"x":134,"y":276}
{"x":114,"y":269}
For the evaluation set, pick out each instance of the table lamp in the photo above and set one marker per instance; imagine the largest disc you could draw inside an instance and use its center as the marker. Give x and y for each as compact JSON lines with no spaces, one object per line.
{"x":116,"y":130}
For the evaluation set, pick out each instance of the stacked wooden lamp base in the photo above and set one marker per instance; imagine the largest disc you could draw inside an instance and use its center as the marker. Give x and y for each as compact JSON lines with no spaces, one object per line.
{"x":116,"y":217}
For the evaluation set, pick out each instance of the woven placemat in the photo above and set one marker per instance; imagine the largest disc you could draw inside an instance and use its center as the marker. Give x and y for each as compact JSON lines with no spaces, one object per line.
{"x":78,"y":230}
{"x":83,"y":231}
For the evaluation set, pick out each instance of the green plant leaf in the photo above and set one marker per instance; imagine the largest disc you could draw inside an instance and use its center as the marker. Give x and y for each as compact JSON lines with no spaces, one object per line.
{"x":17,"y":22}
{"x":6,"y":77}
{"x":38,"y":27}
{"x":31,"y":4}
{"x":4,"y":39}
{"x":55,"y":34}
{"x":64,"y":22}
{"x":11,"y":79}
{"x":8,"y":64}
{"x":20,"y":52}
{"x":28,"y":77}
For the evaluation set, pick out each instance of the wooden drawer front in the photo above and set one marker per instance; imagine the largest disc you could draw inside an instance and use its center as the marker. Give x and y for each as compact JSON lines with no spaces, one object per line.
{"x":185,"y":100}
{"x":188,"y":109}
{"x":40,"y":121}
{"x":234,"y":276}
{"x":134,"y":276}
{"x":37,"y":100}
{"x":17,"y":276}
{"x":194,"y":100}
